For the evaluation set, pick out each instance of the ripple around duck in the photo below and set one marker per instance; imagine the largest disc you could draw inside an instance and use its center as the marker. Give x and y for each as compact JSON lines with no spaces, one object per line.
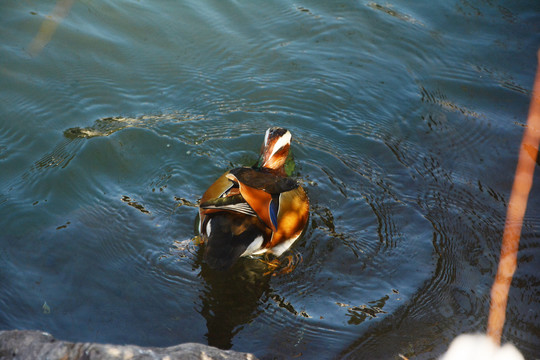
{"x":377,"y":203}
{"x":450,"y":294}
{"x":297,"y":336}
{"x":174,"y":268}
{"x":326,"y":236}
{"x":439,"y":188}
{"x":309,"y":316}
{"x":287,"y":307}
{"x":457,"y":127}
{"x":426,"y":164}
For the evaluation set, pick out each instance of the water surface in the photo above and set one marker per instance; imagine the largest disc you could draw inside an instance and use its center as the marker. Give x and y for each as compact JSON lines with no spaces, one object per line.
{"x":115,"y":116}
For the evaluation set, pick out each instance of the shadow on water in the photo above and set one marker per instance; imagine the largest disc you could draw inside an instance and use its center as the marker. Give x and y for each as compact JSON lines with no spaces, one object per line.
{"x":232,"y":299}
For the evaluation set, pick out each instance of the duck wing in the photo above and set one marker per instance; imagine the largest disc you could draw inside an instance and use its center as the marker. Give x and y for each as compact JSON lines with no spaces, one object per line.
{"x":224,"y":195}
{"x":235,"y":203}
{"x":262,"y":190}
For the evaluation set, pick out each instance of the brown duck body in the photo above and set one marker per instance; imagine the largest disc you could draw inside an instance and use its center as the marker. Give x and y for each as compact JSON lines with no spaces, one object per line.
{"x":250,"y":211}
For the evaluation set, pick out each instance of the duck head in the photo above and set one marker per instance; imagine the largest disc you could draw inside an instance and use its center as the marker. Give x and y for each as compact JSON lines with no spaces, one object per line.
{"x":275,"y":149}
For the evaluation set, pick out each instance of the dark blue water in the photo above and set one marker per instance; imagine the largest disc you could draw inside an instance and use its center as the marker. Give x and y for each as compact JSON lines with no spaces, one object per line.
{"x":115,"y":116}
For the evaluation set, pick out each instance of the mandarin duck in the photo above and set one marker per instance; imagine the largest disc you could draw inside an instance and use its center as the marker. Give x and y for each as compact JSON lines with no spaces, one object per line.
{"x":253,"y":210}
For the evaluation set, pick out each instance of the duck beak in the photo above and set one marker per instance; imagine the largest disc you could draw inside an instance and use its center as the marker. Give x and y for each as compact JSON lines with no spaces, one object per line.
{"x":275,"y":148}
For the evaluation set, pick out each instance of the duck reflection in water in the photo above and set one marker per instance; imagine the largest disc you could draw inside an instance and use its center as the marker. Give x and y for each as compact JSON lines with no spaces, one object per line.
{"x":232,"y":298}
{"x":235,"y":297}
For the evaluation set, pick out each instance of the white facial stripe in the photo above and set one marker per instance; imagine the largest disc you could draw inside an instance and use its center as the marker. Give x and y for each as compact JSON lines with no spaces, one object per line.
{"x":284,"y":140}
